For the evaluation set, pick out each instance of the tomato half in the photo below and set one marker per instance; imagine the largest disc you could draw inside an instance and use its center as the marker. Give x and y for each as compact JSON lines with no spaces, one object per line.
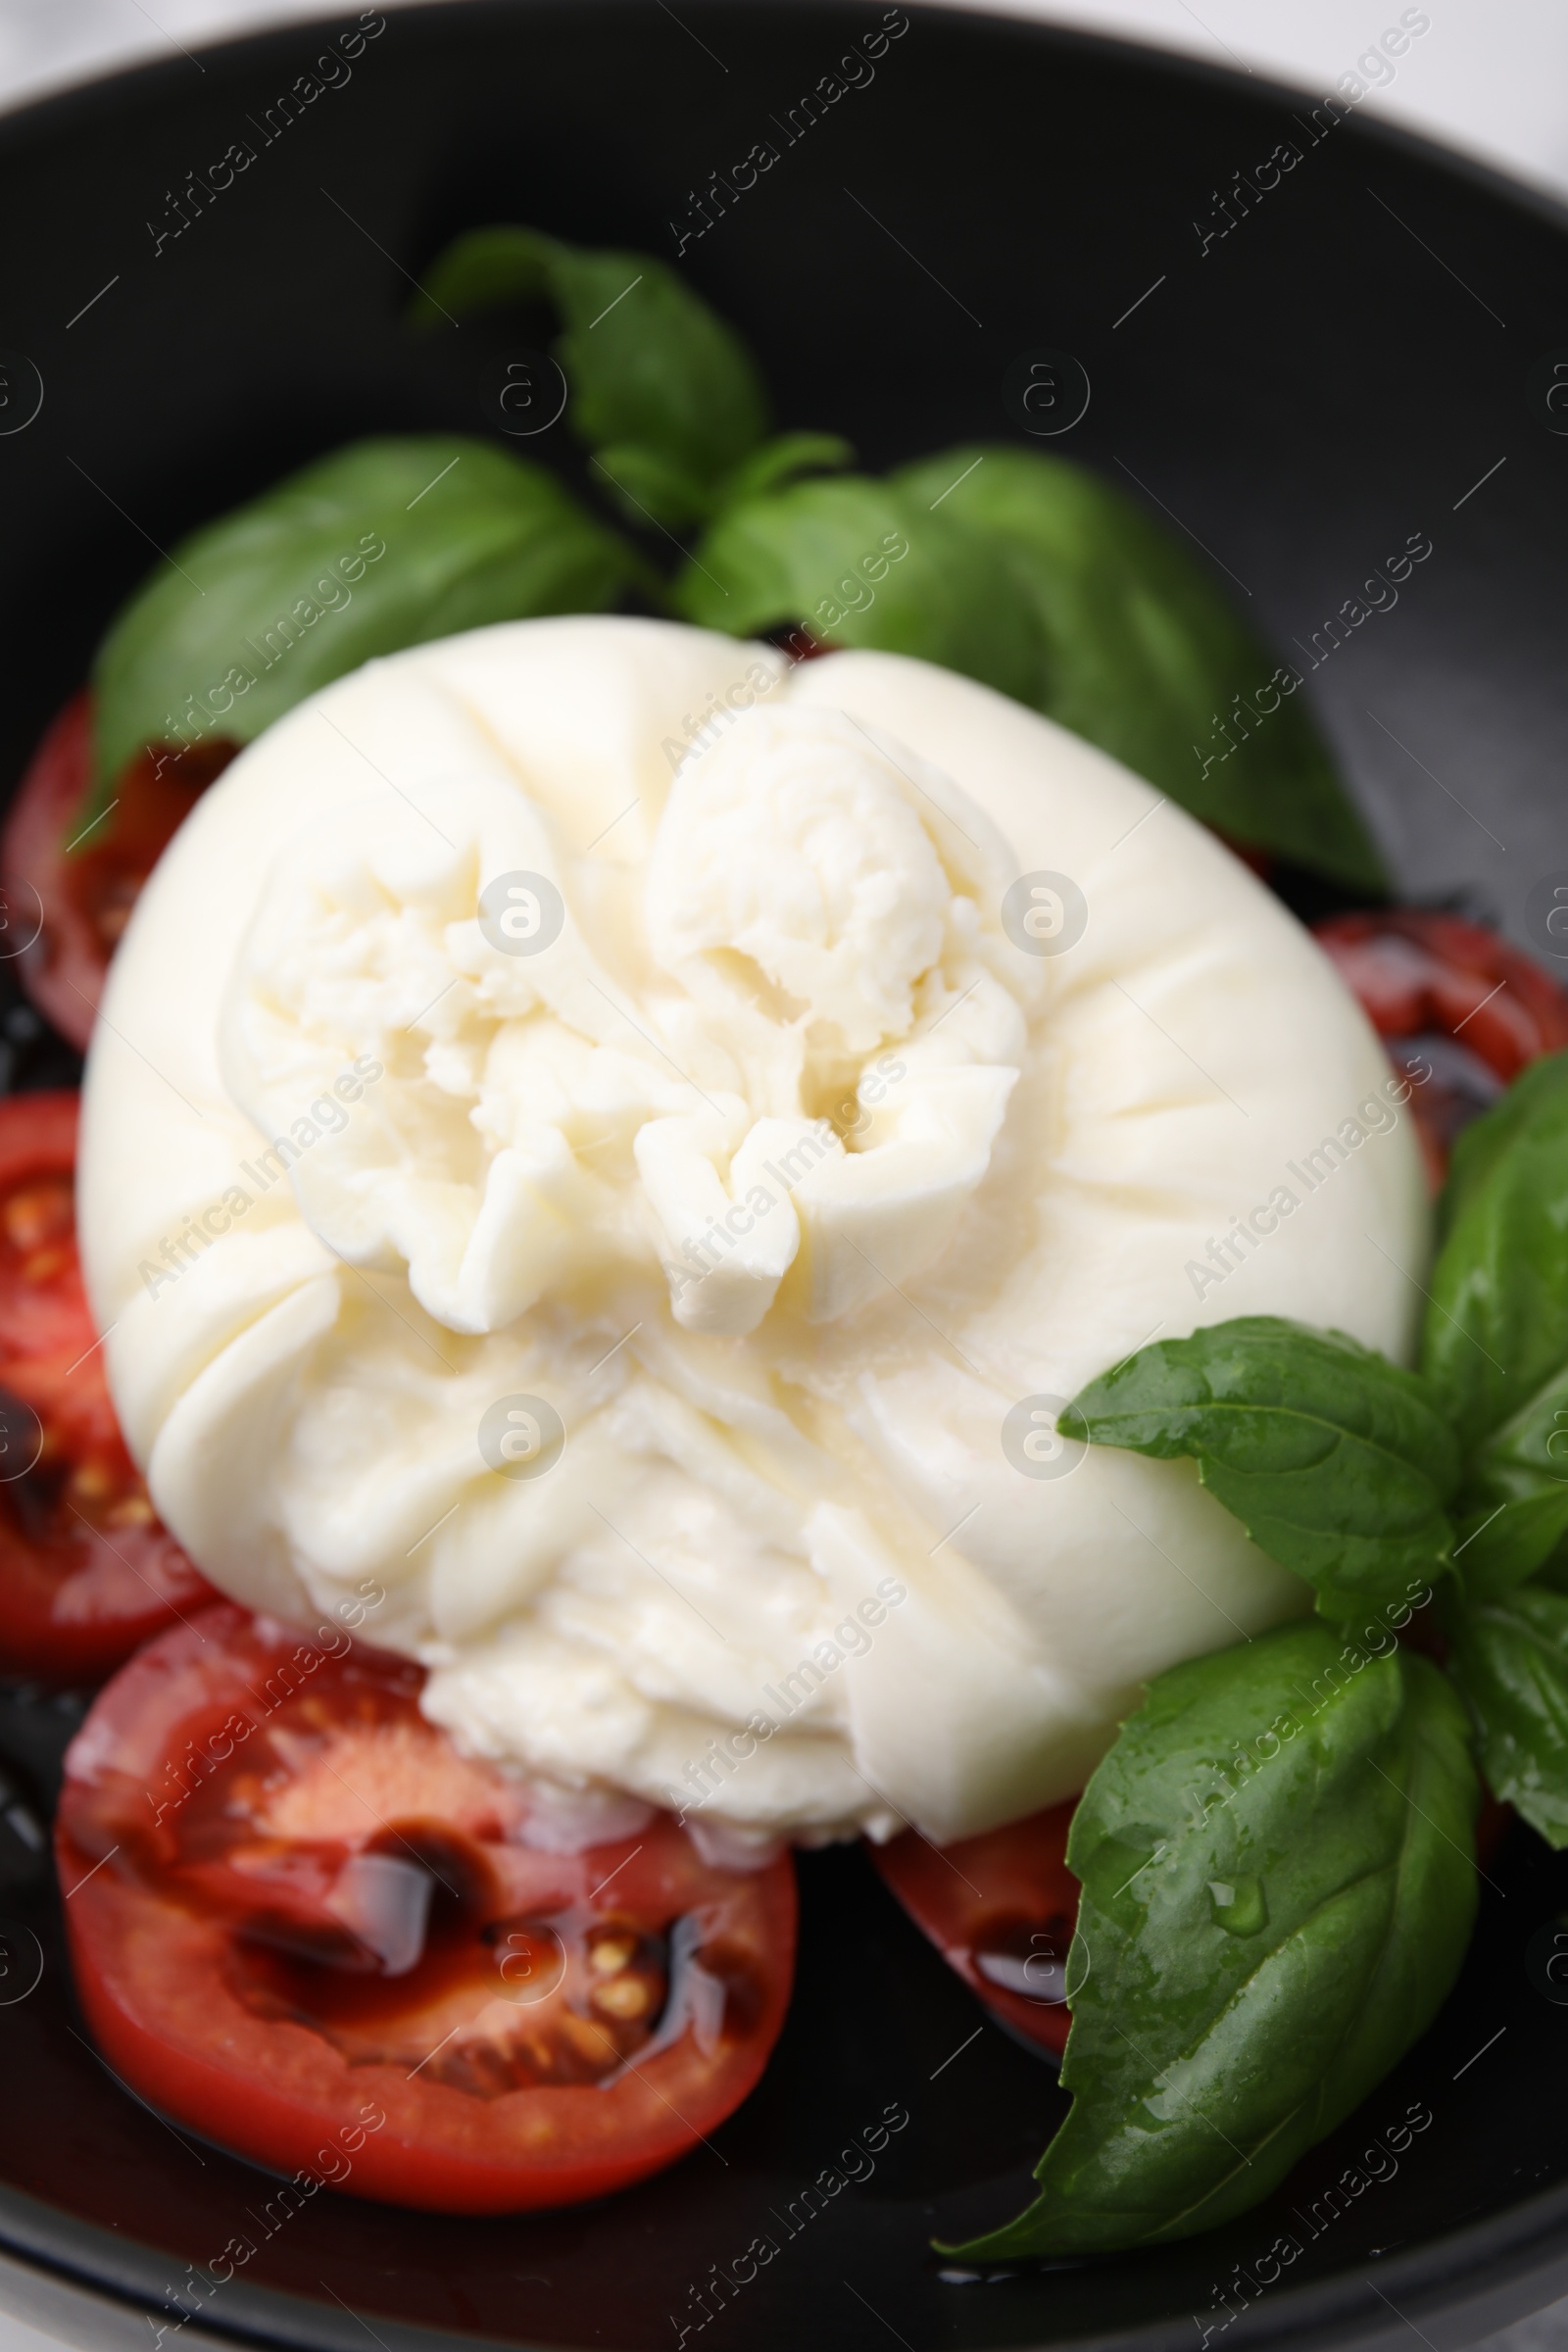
{"x":1001,"y":1909}
{"x":87,"y":1571}
{"x":294,"y":1906}
{"x":86,"y":894}
{"x":1423,"y":978}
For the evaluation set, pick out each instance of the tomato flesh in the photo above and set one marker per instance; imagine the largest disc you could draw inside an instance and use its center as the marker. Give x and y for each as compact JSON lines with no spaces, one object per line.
{"x":86,"y":892}
{"x":87,"y":1571}
{"x":1001,"y":1909}
{"x":289,"y":1895}
{"x":1423,"y":978}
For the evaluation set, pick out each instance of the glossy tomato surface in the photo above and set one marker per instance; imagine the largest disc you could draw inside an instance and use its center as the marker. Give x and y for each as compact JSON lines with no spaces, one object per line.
{"x":295,"y":1910}
{"x":87,"y":1571}
{"x":1001,"y":1908}
{"x":1461,"y":1010}
{"x":82,"y":889}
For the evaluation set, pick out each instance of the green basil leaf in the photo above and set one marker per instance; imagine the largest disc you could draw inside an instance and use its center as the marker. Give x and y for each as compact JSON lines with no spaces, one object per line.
{"x":1497,"y":1547}
{"x":648,"y":488}
{"x":860,"y":562}
{"x":780,"y":459}
{"x":1145,"y":653}
{"x":648,"y":364}
{"x":382,"y":545}
{"x":1510,"y":1660}
{"x":1336,"y":1462}
{"x":1516,"y":1495}
{"x":645,"y":486}
{"x":1530,"y":1107}
{"x":1278,"y":1887}
{"x":1496,"y":1329}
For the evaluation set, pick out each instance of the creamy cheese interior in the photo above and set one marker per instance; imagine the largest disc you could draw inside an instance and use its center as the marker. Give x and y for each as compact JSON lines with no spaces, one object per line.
{"x":602,"y":1155}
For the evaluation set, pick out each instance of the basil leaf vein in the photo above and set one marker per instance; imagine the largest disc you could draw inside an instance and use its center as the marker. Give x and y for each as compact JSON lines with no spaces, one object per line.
{"x":1146,"y":655}
{"x":862,"y":562}
{"x":381,"y":545}
{"x":1498,"y":1327}
{"x":1511,"y":1661}
{"x":1336,"y":1461}
{"x":1278,"y":1889}
{"x":659,"y":386}
{"x":1515,"y":1496}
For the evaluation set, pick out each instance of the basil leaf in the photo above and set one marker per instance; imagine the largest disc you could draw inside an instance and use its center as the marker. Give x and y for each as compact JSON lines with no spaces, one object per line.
{"x":1530,"y":1106}
{"x":1496,"y":1329}
{"x":1510,"y":1660}
{"x":1145,"y":656}
{"x":1516,"y":1495}
{"x":1498,"y":1548}
{"x":648,"y":488}
{"x":860,"y":562}
{"x":780,"y":459}
{"x":382,"y":545}
{"x":649,"y":366}
{"x":1335,"y":1462}
{"x":1278,"y":1889}
{"x":645,"y":486}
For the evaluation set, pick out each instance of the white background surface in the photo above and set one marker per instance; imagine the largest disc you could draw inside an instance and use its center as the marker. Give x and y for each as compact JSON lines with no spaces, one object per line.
{"x":1490,"y":77}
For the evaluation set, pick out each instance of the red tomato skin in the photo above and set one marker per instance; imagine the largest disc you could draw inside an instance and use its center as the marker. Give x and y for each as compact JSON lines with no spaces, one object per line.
{"x":285,"y":2105}
{"x":62,"y":971}
{"x":39,"y":1645}
{"x":151,"y":1972}
{"x":959,"y":1895}
{"x":76,"y":1600}
{"x":1416,"y":973}
{"x":86,"y":896}
{"x":39,"y":1135}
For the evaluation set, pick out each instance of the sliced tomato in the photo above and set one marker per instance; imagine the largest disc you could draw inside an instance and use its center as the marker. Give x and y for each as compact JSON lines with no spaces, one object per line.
{"x":1454,"y":1001}
{"x":1415,"y":970}
{"x":295,"y":1908}
{"x":1001,"y":1909}
{"x":87,"y":1571}
{"x":85,"y":894}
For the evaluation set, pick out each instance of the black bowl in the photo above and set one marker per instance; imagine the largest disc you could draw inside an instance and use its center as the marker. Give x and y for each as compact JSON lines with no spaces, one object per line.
{"x":1304,"y":370}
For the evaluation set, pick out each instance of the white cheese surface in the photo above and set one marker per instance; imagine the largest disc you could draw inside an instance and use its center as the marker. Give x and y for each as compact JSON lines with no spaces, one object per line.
{"x":594,"y":1223}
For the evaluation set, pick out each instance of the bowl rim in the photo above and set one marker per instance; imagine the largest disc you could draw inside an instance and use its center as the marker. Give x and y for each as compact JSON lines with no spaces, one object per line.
{"x":51,"y":110}
{"x":1464,"y":2285}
